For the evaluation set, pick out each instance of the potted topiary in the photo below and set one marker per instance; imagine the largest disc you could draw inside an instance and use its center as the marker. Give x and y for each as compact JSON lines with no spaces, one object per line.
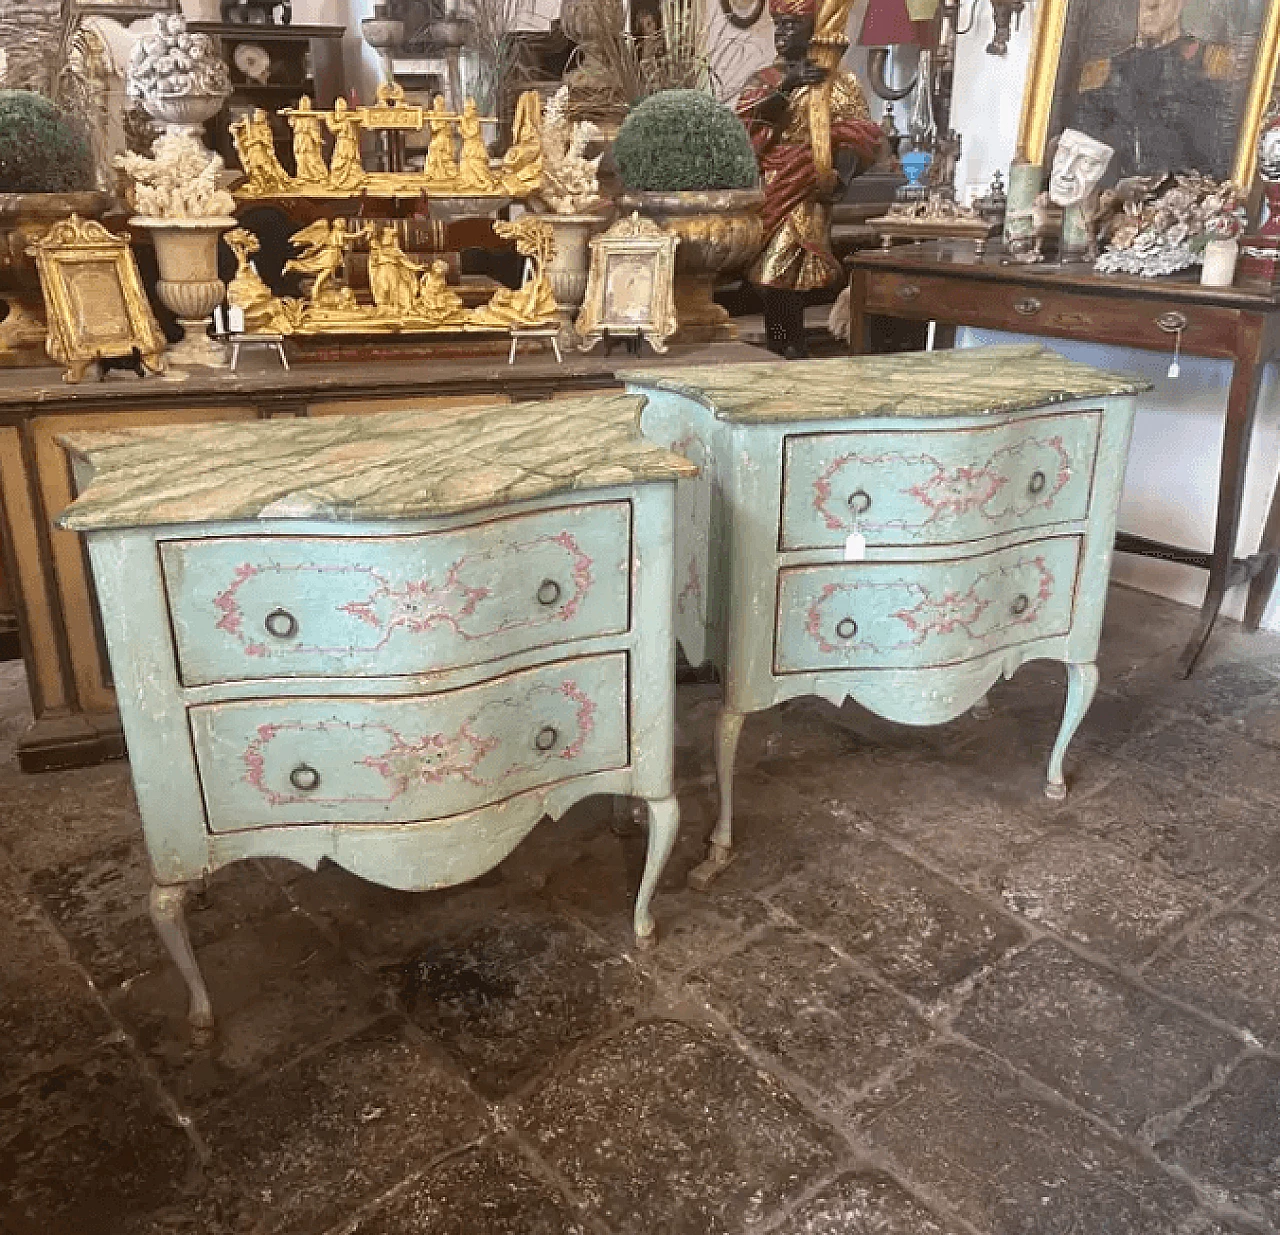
{"x":47,"y":172}
{"x":686,"y":162}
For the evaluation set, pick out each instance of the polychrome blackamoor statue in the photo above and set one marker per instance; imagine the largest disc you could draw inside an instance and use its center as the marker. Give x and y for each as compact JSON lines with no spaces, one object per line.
{"x":812,"y":132}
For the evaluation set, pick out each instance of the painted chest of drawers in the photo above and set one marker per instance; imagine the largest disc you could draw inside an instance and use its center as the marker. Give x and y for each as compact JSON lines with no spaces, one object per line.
{"x":393,"y":641}
{"x":899,"y":530}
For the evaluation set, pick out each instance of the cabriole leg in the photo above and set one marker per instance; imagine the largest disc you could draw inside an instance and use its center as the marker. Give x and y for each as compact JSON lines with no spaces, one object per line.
{"x":171,"y":925}
{"x":664,"y":822}
{"x":982,"y":710}
{"x":1082,"y":682}
{"x":720,"y":850}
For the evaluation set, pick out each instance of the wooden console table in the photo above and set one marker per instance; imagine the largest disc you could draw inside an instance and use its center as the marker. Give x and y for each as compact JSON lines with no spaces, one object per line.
{"x":944,"y":281}
{"x":73,"y":699}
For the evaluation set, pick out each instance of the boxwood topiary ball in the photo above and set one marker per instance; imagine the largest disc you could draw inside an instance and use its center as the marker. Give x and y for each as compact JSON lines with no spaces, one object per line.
{"x":42,"y":149}
{"x":683,"y":140}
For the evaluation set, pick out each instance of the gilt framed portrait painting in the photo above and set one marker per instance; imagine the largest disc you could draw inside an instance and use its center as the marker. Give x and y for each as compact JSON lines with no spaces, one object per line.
{"x":1171,"y":85}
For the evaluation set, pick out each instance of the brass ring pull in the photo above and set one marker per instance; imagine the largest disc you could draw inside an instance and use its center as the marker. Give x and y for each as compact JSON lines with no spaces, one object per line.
{"x":1172,"y":322}
{"x":1038,"y":482}
{"x":546,"y":738}
{"x":281,"y":624}
{"x":548,"y":592}
{"x":908,"y":291}
{"x":304,"y":778}
{"x":1020,"y":605}
{"x":846,"y":628}
{"x":1028,"y":306}
{"x":859,"y":501}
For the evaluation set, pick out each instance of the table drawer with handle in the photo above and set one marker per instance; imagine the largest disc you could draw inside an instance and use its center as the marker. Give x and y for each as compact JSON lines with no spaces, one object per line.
{"x":253,"y":607}
{"x":937,"y":487}
{"x":342,"y":760}
{"x":1201,"y":330}
{"x":906,"y":615}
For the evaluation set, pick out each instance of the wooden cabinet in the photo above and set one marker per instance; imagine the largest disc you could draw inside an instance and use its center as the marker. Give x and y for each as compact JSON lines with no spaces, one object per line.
{"x":395,"y":642}
{"x":899,"y":530}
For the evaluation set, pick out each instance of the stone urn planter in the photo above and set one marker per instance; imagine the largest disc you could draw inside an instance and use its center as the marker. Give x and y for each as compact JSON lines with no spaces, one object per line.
{"x":25,"y":217}
{"x":721,"y":232}
{"x":187,"y":254}
{"x":567,"y":270}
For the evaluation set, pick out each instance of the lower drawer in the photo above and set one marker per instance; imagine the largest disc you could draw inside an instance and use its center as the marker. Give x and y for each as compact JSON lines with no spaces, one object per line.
{"x":345,"y":760}
{"x":900,"y":615}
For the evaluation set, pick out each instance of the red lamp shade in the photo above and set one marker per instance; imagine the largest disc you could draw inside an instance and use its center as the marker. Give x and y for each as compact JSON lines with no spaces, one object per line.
{"x":886,"y":22}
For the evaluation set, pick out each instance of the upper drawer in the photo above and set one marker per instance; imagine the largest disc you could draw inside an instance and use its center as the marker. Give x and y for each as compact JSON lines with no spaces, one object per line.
{"x":907,"y":615}
{"x":318,"y":760}
{"x":922,"y":487}
{"x":303,"y":606}
{"x":1206,"y":330}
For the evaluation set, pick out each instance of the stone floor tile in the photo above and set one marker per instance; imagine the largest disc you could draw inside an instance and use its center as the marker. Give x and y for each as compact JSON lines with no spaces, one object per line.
{"x":1012,"y":1162}
{"x":797,"y":740}
{"x":99,"y":903}
{"x":1229,"y":966}
{"x":812,"y":1011}
{"x":1097,"y":895}
{"x":1266,"y":901}
{"x":923,"y":933}
{"x":489,"y":1190}
{"x":667,"y":1123}
{"x":1228,"y":691}
{"x":49,"y":1014}
{"x":864,"y":1203}
{"x":278,"y":988}
{"x":85,"y":1148}
{"x":1099,"y":1040}
{"x":308,"y":1146}
{"x":508,"y":996}
{"x":1232,"y":1141}
{"x":1188,"y":830}
{"x":1213,"y":755}
{"x":1138,"y":628}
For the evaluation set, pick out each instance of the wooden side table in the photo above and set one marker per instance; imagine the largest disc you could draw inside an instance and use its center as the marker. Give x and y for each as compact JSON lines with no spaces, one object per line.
{"x":944,"y":281}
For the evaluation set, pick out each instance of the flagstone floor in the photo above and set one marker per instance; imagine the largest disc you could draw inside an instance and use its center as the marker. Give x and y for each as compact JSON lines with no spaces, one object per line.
{"x":923,"y":1001}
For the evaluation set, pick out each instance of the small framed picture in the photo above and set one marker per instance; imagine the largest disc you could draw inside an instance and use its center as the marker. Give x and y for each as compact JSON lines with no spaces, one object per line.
{"x":630,"y":285}
{"x":94,"y":298}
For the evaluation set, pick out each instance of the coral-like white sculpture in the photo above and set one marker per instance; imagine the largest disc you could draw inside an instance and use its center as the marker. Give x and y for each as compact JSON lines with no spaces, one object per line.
{"x":179,"y":181}
{"x":176,"y":75}
{"x":570,"y":181}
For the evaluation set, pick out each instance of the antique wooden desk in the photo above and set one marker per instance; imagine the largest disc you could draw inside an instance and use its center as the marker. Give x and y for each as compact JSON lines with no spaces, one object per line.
{"x":944,"y":281}
{"x":899,"y":530}
{"x":394,"y":641}
{"x":72,"y":694}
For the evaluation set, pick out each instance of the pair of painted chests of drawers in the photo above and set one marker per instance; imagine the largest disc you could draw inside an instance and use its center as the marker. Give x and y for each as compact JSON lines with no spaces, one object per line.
{"x":399,"y":641}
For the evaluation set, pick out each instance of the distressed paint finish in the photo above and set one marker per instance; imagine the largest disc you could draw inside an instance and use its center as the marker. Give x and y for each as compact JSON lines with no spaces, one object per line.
{"x":929,"y":487}
{"x":259,"y":607}
{"x":899,"y":530}
{"x":416,"y":759}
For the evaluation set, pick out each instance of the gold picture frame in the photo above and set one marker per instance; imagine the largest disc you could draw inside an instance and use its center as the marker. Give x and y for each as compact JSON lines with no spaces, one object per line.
{"x":94,"y":299}
{"x":630,"y":285}
{"x":1061,"y":68}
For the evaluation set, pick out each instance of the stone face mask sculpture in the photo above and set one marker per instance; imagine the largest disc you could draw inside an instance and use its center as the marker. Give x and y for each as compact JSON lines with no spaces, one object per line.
{"x":1079,"y":164}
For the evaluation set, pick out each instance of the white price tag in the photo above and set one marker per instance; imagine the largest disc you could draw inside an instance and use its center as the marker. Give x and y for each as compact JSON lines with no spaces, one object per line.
{"x":235,"y":319}
{"x":855,"y":547}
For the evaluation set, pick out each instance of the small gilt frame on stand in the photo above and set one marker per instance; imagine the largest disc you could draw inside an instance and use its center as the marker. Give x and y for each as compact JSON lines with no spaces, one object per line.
{"x":630,"y":287}
{"x":94,"y":298}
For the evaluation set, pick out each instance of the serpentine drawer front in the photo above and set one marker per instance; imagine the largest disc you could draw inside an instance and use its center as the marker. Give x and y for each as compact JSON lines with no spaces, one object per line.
{"x":903,"y":531}
{"x":929,"y":488}
{"x":326,"y":760}
{"x":897,"y":615}
{"x":394,"y":642}
{"x":255,"y":607}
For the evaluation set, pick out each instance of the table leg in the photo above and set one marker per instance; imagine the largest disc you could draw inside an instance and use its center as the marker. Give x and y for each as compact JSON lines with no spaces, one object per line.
{"x":171,"y":925}
{"x":720,"y":850}
{"x":664,"y":823}
{"x":1242,"y":406}
{"x":857,"y":312}
{"x":1082,"y":684}
{"x":1264,"y":582}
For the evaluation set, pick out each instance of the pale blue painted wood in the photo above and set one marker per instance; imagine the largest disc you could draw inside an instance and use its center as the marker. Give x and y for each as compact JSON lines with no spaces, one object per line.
{"x":771,"y":551}
{"x":887,"y":615}
{"x":282,"y":606}
{"x":324,"y":760}
{"x":915,"y":487}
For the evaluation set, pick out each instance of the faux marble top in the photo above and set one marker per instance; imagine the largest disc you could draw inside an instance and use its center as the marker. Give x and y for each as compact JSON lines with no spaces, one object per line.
{"x":954,"y":382}
{"x":387,"y":465}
